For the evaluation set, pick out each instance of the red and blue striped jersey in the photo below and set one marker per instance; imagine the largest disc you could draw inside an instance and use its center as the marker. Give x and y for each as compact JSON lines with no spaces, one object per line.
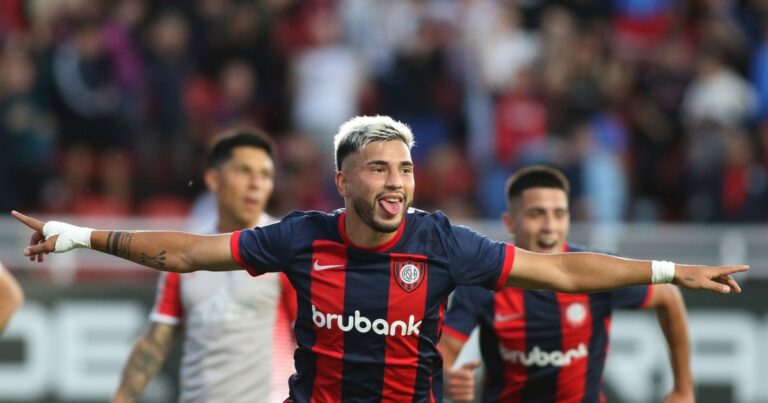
{"x":369,"y":320}
{"x":540,"y":346}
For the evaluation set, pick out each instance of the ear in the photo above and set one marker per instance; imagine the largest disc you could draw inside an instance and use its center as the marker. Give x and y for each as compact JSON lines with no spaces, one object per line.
{"x":211,"y":178}
{"x":509,"y":222}
{"x":341,"y":184}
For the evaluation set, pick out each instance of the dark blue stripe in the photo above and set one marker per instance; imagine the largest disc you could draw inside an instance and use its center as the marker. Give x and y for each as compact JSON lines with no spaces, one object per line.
{"x":600,"y":306}
{"x":494,"y":365}
{"x":430,"y":365}
{"x":542,"y":329}
{"x":301,"y":388}
{"x":363,"y":372}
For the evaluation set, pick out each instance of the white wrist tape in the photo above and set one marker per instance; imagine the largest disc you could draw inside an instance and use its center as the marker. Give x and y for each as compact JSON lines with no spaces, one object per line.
{"x":70,"y":236}
{"x":662,"y":272}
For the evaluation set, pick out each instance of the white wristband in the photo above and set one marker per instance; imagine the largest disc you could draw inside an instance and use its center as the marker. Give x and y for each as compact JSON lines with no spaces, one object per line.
{"x":70,"y":236}
{"x":662,"y":272}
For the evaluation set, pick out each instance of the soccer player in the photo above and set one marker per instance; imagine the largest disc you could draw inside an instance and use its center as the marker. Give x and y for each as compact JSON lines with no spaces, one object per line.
{"x":545,"y":345}
{"x":11,"y":297}
{"x":372,"y":278}
{"x":222,"y":315}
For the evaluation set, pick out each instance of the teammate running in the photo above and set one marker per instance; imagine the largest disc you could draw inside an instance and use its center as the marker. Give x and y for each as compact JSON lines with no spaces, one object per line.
{"x":545,"y":345}
{"x":222,"y":314}
{"x":372,"y":278}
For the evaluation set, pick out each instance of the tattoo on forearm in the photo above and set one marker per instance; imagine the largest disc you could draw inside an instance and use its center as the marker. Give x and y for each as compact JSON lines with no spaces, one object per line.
{"x":143,"y":365}
{"x":153,"y":260}
{"x":119,"y":243}
{"x":690,"y":279}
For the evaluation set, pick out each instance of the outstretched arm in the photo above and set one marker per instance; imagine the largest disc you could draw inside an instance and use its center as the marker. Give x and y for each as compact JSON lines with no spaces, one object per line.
{"x":670,"y":309}
{"x":146,"y":359}
{"x":161,"y":250}
{"x":591,"y":272}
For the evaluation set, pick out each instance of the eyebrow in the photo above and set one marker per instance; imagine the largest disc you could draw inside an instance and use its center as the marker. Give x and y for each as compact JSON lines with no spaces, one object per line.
{"x":382,"y":162}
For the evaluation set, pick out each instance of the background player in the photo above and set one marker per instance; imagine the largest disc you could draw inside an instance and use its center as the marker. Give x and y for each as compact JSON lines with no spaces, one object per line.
{"x":372,"y":279}
{"x":223,"y":314}
{"x":11,"y":297}
{"x":520,"y":328}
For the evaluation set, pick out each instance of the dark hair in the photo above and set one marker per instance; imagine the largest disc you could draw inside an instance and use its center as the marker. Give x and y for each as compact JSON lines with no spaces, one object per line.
{"x":535,"y":176}
{"x":223,"y":144}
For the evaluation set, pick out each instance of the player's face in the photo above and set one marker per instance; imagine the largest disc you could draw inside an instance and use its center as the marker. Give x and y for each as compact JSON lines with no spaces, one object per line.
{"x":243,"y":185}
{"x":379,"y":184}
{"x":539,"y":219}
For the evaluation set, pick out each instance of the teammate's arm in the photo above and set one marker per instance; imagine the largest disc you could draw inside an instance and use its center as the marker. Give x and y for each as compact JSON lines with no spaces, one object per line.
{"x":591,"y":272}
{"x":11,"y":296}
{"x":161,"y":250}
{"x":670,"y":310}
{"x":146,"y":359}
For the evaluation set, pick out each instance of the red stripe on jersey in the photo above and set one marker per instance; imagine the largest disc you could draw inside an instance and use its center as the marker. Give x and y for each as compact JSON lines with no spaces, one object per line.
{"x":509,"y":325}
{"x":328,"y":275}
{"x":647,"y":299}
{"x":234,"y":247}
{"x":401,"y":356}
{"x":576,"y":331}
{"x":168,"y":301}
{"x":506,"y":268}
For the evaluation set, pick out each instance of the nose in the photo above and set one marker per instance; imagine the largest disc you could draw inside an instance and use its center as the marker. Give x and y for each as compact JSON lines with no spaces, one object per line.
{"x":394,"y":181}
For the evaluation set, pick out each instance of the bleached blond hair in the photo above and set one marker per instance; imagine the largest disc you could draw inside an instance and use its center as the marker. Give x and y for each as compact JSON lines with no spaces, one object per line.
{"x":359,"y":131}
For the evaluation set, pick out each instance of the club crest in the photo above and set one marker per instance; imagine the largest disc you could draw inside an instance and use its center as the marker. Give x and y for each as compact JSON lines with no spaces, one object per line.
{"x":408,"y":274}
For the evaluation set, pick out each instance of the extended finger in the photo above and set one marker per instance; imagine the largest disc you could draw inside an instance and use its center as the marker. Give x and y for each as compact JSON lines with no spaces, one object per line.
{"x":726,"y":270}
{"x":30,"y":222}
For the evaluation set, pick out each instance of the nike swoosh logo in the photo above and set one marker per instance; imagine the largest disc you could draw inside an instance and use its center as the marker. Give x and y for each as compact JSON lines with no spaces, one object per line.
{"x":507,"y":318}
{"x":320,"y":267}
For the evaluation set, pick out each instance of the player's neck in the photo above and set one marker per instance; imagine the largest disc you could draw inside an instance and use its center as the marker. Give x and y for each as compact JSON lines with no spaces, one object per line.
{"x":363,"y":235}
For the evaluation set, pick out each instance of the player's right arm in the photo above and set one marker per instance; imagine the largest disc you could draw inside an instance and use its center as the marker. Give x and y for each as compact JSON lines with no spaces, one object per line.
{"x":162,"y":250}
{"x":146,"y":359}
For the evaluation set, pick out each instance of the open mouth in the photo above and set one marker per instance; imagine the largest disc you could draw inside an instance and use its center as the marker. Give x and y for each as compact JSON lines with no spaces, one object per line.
{"x":392,"y":203}
{"x":546,"y":244}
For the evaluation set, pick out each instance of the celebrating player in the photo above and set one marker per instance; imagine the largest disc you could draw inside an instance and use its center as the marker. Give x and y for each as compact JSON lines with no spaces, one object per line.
{"x":372,"y":278}
{"x":222,"y":314}
{"x":545,"y":345}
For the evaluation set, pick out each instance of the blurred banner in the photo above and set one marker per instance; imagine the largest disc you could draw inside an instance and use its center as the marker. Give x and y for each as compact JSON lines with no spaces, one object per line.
{"x":84,"y":311}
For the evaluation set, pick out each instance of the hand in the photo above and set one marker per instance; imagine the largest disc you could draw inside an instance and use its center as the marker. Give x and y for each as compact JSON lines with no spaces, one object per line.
{"x":680,"y":397}
{"x":39,"y":246}
{"x":460,"y":384}
{"x":713,"y":278}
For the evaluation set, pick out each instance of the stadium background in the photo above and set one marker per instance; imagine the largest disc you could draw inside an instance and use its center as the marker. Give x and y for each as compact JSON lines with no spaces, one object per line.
{"x":657,"y":110}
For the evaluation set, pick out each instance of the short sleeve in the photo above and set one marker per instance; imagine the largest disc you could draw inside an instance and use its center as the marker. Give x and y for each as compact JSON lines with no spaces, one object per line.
{"x":636,"y":297}
{"x":263,"y":249}
{"x":477,"y":260}
{"x":464,"y":311}
{"x":168,"y":307}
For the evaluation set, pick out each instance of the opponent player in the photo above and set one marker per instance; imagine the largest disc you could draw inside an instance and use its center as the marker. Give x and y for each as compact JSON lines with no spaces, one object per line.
{"x":372,"y":278}
{"x":11,"y":297}
{"x":545,"y":345}
{"x":237,"y":335}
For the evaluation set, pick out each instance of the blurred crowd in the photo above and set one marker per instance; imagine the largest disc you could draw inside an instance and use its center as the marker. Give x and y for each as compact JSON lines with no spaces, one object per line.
{"x":657,"y":110}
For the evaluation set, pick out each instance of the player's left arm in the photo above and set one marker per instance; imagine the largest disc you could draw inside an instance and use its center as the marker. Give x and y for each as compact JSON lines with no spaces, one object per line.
{"x":670,"y":310}
{"x":585,"y":272}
